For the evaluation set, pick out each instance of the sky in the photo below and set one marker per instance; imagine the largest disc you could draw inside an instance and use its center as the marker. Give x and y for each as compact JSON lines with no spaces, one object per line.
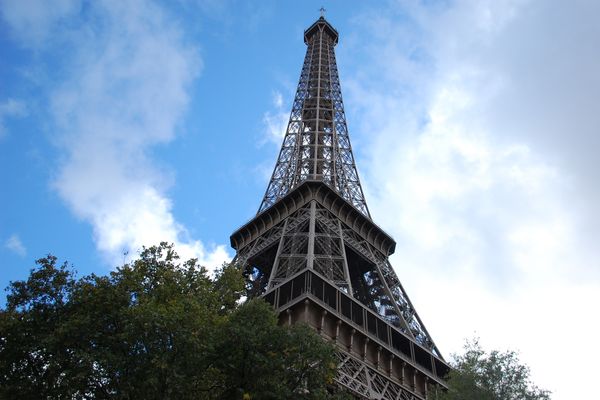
{"x":474,"y":124}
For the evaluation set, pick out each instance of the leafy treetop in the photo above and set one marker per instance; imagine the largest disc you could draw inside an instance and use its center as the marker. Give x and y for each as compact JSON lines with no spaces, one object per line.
{"x":156,"y":328}
{"x":479,"y":375}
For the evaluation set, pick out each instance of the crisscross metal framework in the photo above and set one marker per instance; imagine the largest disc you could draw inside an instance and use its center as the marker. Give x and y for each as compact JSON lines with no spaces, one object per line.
{"x":313,"y":237}
{"x":313,"y":227}
{"x":316,"y":145}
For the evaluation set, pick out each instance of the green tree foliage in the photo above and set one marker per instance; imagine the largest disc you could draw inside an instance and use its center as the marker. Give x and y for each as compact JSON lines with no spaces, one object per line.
{"x":478,"y":375}
{"x":157,"y":328}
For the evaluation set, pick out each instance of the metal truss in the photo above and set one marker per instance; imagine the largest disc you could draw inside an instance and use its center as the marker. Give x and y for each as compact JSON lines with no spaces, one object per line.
{"x":313,"y":237}
{"x":314,"y":217}
{"x":364,"y":381}
{"x":385,"y":285}
{"x":316,"y":145}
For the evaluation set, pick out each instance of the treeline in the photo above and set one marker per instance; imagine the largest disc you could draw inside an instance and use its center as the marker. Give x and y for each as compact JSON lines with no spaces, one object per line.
{"x":157,"y":328}
{"x":161,"y":328}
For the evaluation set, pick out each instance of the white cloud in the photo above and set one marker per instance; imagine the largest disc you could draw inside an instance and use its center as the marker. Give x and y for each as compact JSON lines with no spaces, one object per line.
{"x":482,"y":127}
{"x":126,"y":84}
{"x":33,"y":20}
{"x":14,"y":244}
{"x":10,"y":108}
{"x":276,"y":121}
{"x":278,"y":100}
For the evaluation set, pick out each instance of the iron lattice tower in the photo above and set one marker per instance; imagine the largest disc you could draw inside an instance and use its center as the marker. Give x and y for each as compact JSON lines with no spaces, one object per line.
{"x":314,"y":252}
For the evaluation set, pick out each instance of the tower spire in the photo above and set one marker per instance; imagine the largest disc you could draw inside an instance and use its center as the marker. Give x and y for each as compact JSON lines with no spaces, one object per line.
{"x":314,"y":253}
{"x":316,"y":145}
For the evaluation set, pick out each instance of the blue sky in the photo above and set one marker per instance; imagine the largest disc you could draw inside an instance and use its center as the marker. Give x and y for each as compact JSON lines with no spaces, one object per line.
{"x":474,"y":125}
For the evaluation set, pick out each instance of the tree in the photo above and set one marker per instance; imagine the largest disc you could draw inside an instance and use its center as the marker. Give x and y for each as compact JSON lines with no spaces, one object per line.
{"x":477,"y":375}
{"x":262,"y":360}
{"x":156,"y":328}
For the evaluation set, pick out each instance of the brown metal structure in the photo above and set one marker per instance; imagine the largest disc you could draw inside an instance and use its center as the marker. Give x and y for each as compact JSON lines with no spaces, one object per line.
{"x":315,"y":254}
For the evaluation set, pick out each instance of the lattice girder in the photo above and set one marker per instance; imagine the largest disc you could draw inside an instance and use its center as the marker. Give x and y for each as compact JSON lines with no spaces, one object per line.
{"x":314,"y":236}
{"x":316,"y":145}
{"x":366,"y":382}
{"x":313,"y":241}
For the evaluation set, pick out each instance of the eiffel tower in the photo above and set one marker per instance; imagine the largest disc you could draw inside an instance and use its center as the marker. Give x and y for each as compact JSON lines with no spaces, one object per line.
{"x":315,"y":254}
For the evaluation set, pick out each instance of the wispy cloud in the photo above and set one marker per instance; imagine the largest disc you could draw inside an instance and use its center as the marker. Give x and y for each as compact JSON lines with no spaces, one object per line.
{"x":32,"y":21}
{"x":481,"y":127}
{"x":14,"y":244}
{"x":125,"y":90}
{"x":276,"y":120}
{"x":10,"y":108}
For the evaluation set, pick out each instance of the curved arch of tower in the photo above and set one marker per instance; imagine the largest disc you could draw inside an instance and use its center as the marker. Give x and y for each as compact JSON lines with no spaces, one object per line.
{"x":314,"y":252}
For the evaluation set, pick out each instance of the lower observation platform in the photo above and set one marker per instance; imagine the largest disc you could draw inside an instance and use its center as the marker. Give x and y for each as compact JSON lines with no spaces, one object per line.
{"x":377,"y":361}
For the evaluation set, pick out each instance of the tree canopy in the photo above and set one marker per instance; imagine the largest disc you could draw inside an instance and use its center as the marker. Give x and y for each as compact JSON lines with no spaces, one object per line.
{"x":156,"y":328}
{"x":160,"y":328}
{"x":479,"y":375}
